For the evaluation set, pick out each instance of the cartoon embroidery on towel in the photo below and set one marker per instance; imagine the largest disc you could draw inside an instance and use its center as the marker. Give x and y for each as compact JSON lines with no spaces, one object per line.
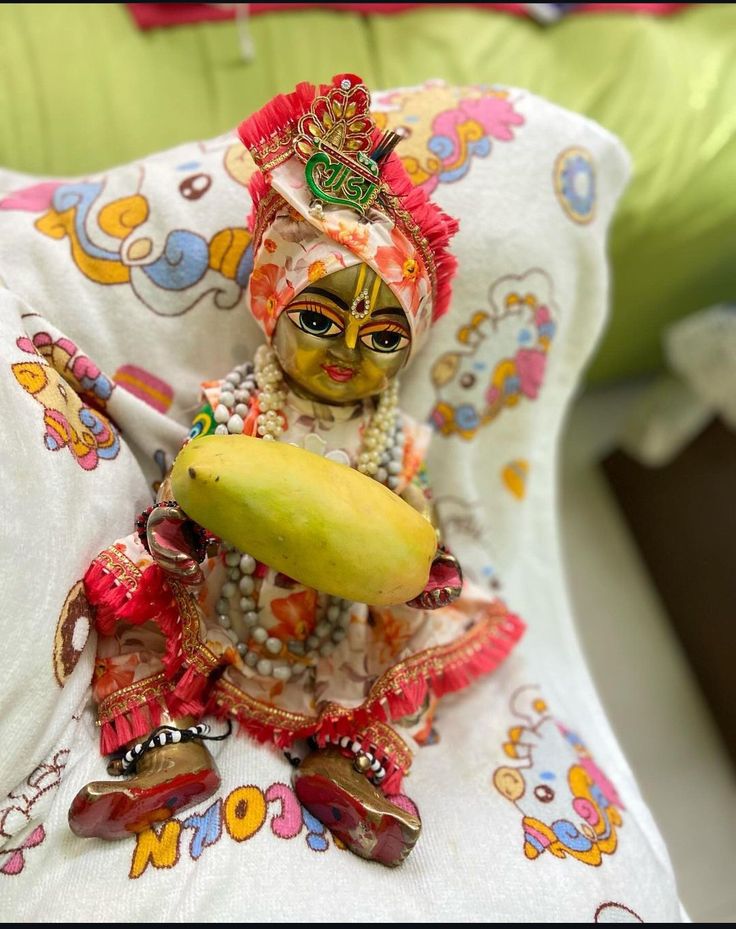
{"x":145,"y":386}
{"x":502,"y":359}
{"x":514,"y":476}
{"x":73,"y":392}
{"x":574,"y":180}
{"x":117,"y":237}
{"x":94,"y":387}
{"x":241,"y":815}
{"x":446,"y":128}
{"x":21,"y":809}
{"x":459,"y":519}
{"x":72,"y":631}
{"x":569,"y":806}
{"x":163,"y":463}
{"x":616,"y":913}
{"x":14,"y":858}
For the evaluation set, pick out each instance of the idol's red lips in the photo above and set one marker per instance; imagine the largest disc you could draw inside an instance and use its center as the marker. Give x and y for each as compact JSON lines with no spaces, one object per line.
{"x":338,"y":373}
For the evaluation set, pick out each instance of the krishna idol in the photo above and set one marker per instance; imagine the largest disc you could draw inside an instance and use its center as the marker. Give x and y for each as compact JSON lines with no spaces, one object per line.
{"x":351,"y":269}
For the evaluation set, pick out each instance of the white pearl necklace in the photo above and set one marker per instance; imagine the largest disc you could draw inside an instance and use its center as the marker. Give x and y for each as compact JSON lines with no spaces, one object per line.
{"x":383,"y":443}
{"x":237,"y":389}
{"x":380,"y":457}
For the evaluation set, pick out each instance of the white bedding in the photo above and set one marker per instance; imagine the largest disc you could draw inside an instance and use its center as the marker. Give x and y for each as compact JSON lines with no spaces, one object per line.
{"x":530,"y":811}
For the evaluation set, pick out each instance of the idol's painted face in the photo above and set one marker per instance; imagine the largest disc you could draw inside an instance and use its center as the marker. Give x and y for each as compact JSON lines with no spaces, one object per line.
{"x":343,"y":338}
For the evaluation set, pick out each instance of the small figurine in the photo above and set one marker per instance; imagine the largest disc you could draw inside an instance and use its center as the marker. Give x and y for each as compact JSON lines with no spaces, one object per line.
{"x":351,"y":268}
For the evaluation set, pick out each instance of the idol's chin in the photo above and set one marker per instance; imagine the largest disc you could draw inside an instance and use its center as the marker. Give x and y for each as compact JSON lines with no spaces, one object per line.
{"x":339,"y":393}
{"x":321,"y":388}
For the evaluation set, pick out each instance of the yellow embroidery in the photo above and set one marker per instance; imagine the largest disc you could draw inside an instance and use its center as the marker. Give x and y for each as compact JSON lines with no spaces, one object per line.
{"x":161,"y":849}
{"x":245,"y":813}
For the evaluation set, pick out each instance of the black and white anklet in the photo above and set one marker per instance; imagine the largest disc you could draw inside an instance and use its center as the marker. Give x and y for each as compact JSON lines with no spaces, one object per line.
{"x":168,"y":735}
{"x":371,"y":767}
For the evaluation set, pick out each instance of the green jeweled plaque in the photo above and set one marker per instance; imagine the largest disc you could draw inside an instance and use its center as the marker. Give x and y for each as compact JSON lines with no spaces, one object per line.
{"x":340,"y":183}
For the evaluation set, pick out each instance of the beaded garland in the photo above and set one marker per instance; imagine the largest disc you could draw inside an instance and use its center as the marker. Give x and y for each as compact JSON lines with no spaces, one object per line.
{"x":381,"y":457}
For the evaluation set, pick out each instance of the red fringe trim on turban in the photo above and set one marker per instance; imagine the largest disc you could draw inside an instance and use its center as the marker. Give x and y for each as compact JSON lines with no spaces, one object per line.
{"x":269,"y":136}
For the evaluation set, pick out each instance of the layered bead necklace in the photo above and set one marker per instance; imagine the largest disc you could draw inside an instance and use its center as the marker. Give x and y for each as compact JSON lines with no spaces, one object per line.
{"x":381,"y":456}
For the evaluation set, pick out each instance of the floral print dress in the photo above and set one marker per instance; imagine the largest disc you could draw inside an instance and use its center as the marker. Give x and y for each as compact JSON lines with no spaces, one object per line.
{"x":164,"y":647}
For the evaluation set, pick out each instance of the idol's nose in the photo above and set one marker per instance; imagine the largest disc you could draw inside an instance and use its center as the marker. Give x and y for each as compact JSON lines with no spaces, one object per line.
{"x":345,"y":350}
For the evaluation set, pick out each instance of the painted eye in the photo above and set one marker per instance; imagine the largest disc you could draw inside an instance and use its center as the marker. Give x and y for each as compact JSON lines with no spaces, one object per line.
{"x":543,"y":793}
{"x":467,"y":380}
{"x":385,"y":340}
{"x":315,"y":323}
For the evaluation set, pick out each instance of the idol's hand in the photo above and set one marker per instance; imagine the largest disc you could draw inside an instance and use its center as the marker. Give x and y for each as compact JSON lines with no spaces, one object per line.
{"x":444,"y":585}
{"x":176,"y":543}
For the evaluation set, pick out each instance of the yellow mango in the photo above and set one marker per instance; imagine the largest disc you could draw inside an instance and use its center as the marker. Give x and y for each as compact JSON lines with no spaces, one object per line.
{"x":323,"y":523}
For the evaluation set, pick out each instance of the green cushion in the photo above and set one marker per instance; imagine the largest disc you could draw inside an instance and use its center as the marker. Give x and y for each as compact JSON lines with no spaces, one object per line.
{"x":82,"y":89}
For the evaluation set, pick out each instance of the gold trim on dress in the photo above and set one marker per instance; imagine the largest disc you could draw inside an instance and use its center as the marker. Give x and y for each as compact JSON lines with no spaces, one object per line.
{"x":142,"y":692}
{"x":424,"y":664}
{"x":120,"y":566}
{"x":389,"y":741}
{"x":197,"y":654}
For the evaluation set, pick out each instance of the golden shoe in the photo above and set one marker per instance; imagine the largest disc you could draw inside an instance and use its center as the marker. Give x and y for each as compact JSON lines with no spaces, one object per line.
{"x":169,"y":778}
{"x":353,"y":809}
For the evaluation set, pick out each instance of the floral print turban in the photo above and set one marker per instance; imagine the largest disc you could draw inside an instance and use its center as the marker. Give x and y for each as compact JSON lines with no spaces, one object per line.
{"x":299,"y":238}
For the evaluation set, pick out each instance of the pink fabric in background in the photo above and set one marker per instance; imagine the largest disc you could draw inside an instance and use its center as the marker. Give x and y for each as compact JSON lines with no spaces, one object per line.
{"x":153,"y":15}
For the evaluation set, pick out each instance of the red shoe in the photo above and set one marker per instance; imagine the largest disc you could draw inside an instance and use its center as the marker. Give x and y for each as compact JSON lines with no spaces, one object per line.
{"x":169,"y":778}
{"x":353,"y":809}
